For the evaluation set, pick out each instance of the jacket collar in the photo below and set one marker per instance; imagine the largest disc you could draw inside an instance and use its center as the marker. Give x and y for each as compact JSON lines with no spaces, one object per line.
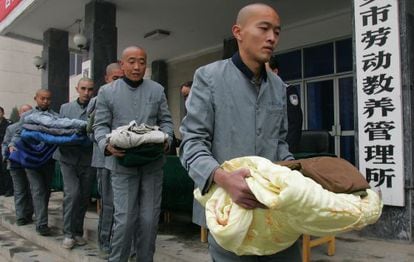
{"x":237,"y":61}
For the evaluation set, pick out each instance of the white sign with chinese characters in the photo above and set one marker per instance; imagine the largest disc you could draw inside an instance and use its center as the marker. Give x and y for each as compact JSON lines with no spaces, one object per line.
{"x":379,"y":97}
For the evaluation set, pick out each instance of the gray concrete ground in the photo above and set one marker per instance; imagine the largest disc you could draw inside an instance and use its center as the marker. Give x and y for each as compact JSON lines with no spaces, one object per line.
{"x":177,"y":241}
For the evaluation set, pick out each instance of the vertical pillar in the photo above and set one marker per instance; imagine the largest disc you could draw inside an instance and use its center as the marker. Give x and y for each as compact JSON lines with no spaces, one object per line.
{"x":55,"y":76}
{"x":159,"y":74}
{"x":101,"y":31}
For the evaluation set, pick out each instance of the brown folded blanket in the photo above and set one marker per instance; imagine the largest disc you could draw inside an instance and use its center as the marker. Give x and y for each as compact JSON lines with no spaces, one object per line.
{"x":332,"y":173}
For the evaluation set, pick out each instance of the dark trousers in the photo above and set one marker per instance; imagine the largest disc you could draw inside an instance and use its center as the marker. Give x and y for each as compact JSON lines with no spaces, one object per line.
{"x":6,"y":183}
{"x":76,"y":193}
{"x":106,"y":217}
{"x":22,"y":196}
{"x":39,"y":180}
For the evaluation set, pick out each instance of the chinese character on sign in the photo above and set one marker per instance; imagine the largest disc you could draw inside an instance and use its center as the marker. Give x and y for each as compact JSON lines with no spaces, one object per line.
{"x":376,"y":61}
{"x":379,"y":130}
{"x":366,"y":2}
{"x":378,"y":37}
{"x":377,"y":84}
{"x":379,"y":176}
{"x":384,"y":104}
{"x":385,"y":154}
{"x":375,"y":13}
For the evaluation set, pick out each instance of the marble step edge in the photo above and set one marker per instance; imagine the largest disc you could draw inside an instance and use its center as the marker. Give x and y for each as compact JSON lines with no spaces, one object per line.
{"x":87,"y":253}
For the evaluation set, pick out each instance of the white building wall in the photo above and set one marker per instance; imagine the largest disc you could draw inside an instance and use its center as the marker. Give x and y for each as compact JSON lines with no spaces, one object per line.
{"x":19,"y":78}
{"x":318,"y":29}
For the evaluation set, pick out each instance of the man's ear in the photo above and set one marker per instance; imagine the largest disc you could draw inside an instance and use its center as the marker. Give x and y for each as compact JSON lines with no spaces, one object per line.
{"x":236,"y":32}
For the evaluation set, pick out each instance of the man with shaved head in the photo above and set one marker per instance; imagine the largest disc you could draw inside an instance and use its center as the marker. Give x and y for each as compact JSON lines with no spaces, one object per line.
{"x":103,"y":175}
{"x":77,"y":173}
{"x":22,"y":198}
{"x":237,"y":108}
{"x":41,"y":177}
{"x":138,"y":189}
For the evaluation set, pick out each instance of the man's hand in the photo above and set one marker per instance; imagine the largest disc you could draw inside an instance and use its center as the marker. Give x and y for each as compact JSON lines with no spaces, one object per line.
{"x":12,"y":149}
{"x":235,"y":185}
{"x":114,"y":151}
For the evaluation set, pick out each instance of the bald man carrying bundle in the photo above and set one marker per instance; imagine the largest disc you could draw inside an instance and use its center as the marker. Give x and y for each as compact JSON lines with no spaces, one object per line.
{"x":237,"y":108}
{"x":137,"y":189}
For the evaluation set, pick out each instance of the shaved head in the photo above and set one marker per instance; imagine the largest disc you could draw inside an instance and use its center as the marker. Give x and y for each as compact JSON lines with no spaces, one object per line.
{"x":130,"y":49}
{"x":85,"y":79}
{"x":43,"y":91}
{"x":43,"y":98}
{"x":134,"y":63}
{"x":257,"y":31}
{"x":112,"y":67}
{"x":24,"y":108}
{"x":113,"y":72}
{"x":246,"y":12}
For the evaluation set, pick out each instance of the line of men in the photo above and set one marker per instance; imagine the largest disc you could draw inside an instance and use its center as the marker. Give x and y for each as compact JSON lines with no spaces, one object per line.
{"x":235,"y":108}
{"x":132,"y":187}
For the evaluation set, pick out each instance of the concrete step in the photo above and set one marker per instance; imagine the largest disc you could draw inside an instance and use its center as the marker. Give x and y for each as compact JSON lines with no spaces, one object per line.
{"x":176,"y":242}
{"x":87,"y":253}
{"x":56,"y":215}
{"x":15,"y":248}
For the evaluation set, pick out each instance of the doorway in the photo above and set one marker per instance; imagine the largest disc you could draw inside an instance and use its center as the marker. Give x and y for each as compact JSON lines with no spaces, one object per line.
{"x":329,"y":105}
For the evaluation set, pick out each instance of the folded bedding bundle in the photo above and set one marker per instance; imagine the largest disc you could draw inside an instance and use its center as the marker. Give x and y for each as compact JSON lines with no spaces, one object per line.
{"x":142,"y":143}
{"x":32,"y":155}
{"x":296,"y":205}
{"x":49,"y":120}
{"x":51,"y":130}
{"x":37,"y":136}
{"x":134,"y":135}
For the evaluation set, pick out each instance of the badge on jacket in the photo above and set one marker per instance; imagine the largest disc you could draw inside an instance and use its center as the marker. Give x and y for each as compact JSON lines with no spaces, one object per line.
{"x":294,"y":99}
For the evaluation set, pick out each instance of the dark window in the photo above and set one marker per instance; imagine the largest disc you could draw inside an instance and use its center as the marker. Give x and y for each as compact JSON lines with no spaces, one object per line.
{"x":290,"y":66}
{"x":348,"y":148}
{"x":72,"y":63}
{"x":344,"y":55}
{"x":320,"y":105}
{"x":346,"y":103}
{"x":318,"y":60}
{"x":78,"y":64}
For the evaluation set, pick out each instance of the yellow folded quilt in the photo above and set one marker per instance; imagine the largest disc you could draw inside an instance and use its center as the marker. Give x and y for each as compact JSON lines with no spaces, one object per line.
{"x":296,"y":205}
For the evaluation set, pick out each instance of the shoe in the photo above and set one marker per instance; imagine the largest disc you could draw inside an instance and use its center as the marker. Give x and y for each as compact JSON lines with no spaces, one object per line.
{"x":68,"y":243}
{"x":23,"y":221}
{"x":103,"y":254}
{"x":80,"y":241}
{"x":43,"y":230}
{"x":132,"y":257}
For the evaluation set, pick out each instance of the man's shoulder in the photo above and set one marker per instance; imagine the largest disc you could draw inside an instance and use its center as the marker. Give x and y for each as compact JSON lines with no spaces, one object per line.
{"x":93,"y":100}
{"x":153,"y":86}
{"x":111,"y":87}
{"x":68,"y":104}
{"x":217,"y":66}
{"x":12,"y":126}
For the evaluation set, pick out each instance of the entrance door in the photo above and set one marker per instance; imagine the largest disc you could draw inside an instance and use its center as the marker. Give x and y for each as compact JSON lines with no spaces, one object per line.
{"x":329,"y":106}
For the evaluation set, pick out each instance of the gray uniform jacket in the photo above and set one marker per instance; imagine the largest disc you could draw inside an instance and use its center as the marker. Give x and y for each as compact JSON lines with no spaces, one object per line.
{"x":10,"y":130}
{"x":98,"y":158}
{"x":118,"y":104}
{"x":228,"y":118}
{"x":74,"y":155}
